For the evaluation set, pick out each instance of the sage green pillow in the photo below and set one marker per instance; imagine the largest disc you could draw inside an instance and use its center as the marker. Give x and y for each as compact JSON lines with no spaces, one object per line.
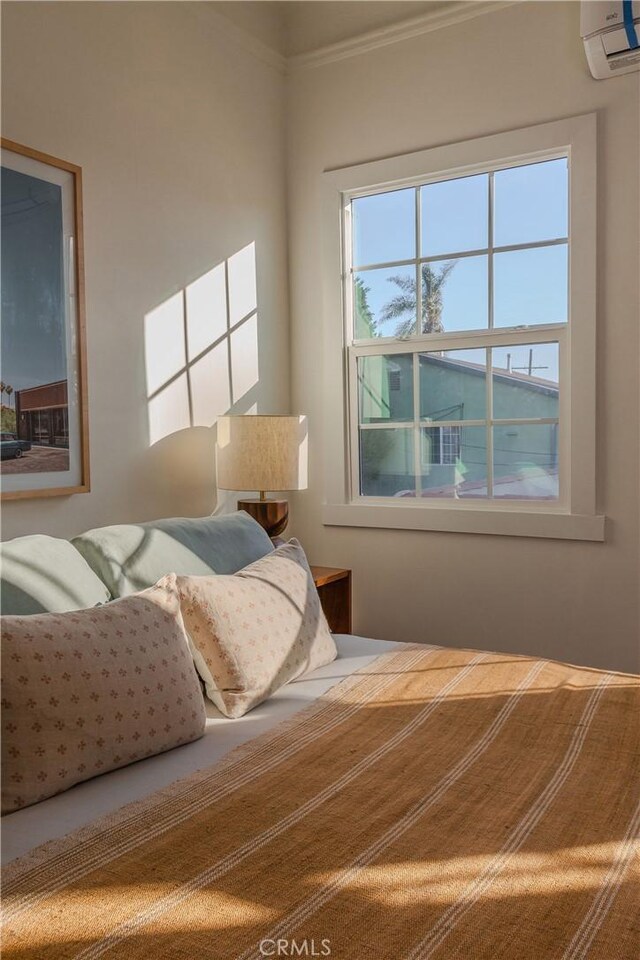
{"x":133,"y":556}
{"x":42,"y":574}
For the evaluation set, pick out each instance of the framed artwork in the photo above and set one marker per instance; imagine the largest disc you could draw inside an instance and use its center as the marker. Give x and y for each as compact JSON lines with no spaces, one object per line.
{"x":44,"y":440}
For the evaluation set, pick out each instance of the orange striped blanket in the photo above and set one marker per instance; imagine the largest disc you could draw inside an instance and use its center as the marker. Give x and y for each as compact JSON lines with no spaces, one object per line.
{"x":440,"y":804}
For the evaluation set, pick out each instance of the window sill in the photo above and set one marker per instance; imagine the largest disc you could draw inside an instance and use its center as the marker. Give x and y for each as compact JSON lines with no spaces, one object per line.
{"x":549,"y":524}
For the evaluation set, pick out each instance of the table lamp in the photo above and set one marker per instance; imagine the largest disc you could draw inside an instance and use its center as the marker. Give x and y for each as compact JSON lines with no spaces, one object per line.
{"x":263,"y":453}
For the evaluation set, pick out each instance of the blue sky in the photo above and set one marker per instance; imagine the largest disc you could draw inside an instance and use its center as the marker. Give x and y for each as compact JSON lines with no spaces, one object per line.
{"x":34,"y":348}
{"x":530,"y":205}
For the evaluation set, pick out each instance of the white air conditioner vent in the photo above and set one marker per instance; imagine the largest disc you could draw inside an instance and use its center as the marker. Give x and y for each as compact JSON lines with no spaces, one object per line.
{"x":611,"y":35}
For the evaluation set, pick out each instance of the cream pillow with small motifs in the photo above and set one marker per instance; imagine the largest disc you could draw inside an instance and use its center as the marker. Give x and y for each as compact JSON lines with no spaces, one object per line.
{"x":88,"y":691}
{"x":256,"y":630}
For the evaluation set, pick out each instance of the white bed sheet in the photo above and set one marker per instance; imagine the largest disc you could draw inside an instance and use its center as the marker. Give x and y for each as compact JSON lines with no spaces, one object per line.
{"x":57,"y":816}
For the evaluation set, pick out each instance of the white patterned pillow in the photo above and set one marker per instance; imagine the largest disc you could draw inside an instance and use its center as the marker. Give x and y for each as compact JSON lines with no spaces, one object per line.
{"x":256,"y":630}
{"x":88,"y":691}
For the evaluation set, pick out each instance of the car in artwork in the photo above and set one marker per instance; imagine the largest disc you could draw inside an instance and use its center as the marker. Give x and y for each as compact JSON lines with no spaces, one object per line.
{"x":11,"y":447}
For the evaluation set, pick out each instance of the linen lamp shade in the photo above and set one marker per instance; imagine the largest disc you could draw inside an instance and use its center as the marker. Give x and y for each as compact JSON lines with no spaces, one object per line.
{"x":262,"y":453}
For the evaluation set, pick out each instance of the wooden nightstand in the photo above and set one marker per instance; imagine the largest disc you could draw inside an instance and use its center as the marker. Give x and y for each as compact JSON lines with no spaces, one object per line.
{"x":334,"y":588}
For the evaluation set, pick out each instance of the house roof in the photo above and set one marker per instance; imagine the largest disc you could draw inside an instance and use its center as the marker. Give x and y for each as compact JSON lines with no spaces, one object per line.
{"x":537,"y":384}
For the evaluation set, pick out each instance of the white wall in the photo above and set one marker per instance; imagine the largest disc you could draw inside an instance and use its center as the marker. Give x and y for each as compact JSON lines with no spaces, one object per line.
{"x":180,"y":134}
{"x":524,"y":65}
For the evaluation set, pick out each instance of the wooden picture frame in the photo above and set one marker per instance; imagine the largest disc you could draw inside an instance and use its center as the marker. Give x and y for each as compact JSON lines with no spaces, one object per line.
{"x":44,"y":360}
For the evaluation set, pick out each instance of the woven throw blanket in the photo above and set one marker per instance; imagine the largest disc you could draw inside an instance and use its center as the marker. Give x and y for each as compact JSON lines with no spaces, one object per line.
{"x":440,"y":804}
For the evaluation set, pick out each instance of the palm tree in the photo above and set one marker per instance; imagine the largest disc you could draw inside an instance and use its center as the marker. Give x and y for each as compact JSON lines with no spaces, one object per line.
{"x":403,"y":306}
{"x":365,"y":321}
{"x":7,"y":415}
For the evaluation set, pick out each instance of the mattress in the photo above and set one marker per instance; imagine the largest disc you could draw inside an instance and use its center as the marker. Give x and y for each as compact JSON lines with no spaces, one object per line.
{"x":436,"y":804}
{"x":53,"y":818}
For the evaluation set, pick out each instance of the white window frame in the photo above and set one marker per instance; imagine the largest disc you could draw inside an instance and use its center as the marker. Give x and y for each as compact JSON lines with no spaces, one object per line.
{"x":424,"y":463}
{"x":574,"y":514}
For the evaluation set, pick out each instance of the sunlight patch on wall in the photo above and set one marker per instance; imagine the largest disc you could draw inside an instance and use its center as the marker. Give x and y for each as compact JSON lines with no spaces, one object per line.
{"x":164,"y":342}
{"x":169,"y":409}
{"x":210,"y":386}
{"x":243,"y":297}
{"x":201,"y":349}
{"x":206,"y":304}
{"x":244,"y":357}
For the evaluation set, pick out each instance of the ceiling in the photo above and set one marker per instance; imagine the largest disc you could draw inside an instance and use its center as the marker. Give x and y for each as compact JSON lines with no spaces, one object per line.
{"x":294,"y":27}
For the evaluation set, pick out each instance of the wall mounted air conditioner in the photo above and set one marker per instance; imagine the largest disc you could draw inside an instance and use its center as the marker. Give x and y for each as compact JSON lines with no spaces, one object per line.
{"x":611,"y":35}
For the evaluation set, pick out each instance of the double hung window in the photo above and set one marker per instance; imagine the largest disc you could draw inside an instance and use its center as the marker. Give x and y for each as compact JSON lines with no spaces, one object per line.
{"x":468,"y":312}
{"x":453,"y":399}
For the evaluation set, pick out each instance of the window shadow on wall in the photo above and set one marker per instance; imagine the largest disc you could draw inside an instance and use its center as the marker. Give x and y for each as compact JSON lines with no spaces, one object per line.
{"x":201,"y":361}
{"x":201,"y":349}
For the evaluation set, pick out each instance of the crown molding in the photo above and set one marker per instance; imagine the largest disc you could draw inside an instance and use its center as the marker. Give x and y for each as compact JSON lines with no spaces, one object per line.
{"x":394,"y":33}
{"x":224,"y":27}
{"x":460,"y":11}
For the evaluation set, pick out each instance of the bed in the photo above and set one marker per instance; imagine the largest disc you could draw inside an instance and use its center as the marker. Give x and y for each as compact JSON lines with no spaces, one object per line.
{"x":405,"y":801}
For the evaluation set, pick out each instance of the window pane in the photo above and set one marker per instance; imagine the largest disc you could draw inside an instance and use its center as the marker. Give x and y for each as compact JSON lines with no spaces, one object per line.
{"x":384,"y":302}
{"x":531,"y":203}
{"x":525,"y":461}
{"x":454,"y":461}
{"x":453,"y":385}
{"x":455,"y":295}
{"x":455,"y":216}
{"x":386,"y":463}
{"x":530,"y":287}
{"x":384,"y":227}
{"x":385,"y":388}
{"x":525,"y":381}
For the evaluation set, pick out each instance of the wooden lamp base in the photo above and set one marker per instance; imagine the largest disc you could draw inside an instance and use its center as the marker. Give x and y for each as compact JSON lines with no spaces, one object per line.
{"x":273,"y":515}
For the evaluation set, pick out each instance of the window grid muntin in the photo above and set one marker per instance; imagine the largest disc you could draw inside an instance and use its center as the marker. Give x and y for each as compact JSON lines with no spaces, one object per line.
{"x":474,"y":338}
{"x":460,"y":173}
{"x":418,"y":428}
{"x":489,"y":251}
{"x":501,"y":338}
{"x":488,"y":419}
{"x":488,"y":423}
{"x":575,"y":515}
{"x":480,"y":252}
